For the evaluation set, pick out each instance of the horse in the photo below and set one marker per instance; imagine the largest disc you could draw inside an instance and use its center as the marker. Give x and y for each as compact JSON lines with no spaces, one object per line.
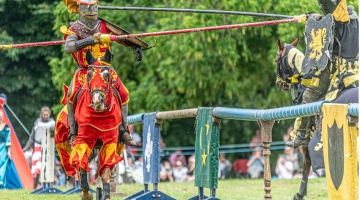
{"x":97,"y":107}
{"x":289,"y":62}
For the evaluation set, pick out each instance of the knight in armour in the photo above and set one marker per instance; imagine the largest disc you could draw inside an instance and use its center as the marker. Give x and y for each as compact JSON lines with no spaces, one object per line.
{"x":89,"y":34}
{"x":87,"y":39}
{"x":327,"y":71}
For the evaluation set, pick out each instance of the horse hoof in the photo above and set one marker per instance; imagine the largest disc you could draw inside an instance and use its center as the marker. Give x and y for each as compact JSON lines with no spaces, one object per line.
{"x":87,"y":196}
{"x":297,"y":197}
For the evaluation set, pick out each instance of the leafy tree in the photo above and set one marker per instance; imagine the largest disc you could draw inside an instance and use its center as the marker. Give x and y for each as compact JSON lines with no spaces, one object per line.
{"x":25,"y":74}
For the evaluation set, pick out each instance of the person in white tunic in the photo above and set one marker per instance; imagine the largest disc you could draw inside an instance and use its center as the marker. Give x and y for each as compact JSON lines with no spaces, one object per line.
{"x":34,"y":142}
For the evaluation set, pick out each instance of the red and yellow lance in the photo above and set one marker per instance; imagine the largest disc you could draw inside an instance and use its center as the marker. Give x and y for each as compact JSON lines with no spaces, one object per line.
{"x":111,"y":38}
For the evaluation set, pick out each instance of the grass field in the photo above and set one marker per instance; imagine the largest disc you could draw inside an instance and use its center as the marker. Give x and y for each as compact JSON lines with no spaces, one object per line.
{"x":227,"y":190}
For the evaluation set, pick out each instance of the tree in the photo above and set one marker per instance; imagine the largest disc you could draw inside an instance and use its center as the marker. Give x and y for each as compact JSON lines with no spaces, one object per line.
{"x":26,"y":78}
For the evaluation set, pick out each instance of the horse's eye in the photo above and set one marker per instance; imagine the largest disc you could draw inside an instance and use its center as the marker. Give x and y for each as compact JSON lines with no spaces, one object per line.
{"x":102,"y":100}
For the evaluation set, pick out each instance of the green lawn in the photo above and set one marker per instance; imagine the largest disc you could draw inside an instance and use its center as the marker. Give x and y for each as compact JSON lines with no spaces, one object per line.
{"x":228,"y":190}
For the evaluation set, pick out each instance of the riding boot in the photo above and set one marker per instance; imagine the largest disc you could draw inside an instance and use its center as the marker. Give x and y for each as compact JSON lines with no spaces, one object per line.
{"x":105,"y":178}
{"x":84,"y":185}
{"x":125,"y":138}
{"x":302,"y":135}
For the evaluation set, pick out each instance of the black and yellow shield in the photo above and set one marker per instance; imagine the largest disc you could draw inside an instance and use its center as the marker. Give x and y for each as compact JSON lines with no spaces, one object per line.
{"x":319,"y":41}
{"x":340,"y":152}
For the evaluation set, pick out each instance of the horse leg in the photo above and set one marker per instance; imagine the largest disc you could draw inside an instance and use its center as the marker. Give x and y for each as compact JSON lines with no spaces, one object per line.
{"x":105,"y":178}
{"x":86,"y":193}
{"x":305,"y":175}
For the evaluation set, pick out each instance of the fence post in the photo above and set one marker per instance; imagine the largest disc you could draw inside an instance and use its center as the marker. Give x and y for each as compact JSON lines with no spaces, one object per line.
{"x":266,"y":136}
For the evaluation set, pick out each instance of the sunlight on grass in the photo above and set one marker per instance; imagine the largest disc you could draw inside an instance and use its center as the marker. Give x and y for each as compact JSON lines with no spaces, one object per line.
{"x":228,"y":190}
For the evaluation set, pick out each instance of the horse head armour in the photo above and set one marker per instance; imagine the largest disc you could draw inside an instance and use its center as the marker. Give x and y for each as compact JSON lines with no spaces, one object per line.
{"x":99,"y":87}
{"x":289,"y":61}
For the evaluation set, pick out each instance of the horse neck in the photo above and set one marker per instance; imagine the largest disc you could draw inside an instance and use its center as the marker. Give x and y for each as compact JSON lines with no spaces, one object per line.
{"x":295,"y":59}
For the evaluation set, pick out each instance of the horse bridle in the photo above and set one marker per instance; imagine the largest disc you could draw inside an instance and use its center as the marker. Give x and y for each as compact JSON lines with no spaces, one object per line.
{"x":283,"y":70}
{"x":102,"y":93}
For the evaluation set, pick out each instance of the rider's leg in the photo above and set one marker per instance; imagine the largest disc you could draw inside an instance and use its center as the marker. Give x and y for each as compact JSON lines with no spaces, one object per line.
{"x":124,"y":136}
{"x":70,"y":109}
{"x":316,"y":83}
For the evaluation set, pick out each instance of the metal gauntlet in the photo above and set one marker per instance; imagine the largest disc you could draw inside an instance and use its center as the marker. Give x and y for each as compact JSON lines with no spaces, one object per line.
{"x":80,"y":44}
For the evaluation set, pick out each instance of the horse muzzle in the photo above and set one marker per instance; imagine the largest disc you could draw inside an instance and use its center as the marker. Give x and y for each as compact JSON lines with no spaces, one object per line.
{"x":98,"y":103}
{"x":282,"y":85}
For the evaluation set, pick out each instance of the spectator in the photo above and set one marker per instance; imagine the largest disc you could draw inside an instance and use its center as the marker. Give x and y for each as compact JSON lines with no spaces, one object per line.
{"x":166,"y":172}
{"x":190,"y":175}
{"x":162,"y":143}
{"x":136,"y":137}
{"x":59,"y":174}
{"x":34,"y":142}
{"x":284,"y":168}
{"x":256,"y":163}
{"x":179,"y":170}
{"x":224,"y":166}
{"x":5,"y":150}
{"x":292,"y":156}
{"x":138,"y":174}
{"x":177,"y":155}
{"x":286,"y":137}
{"x":256,"y":141}
{"x":320,"y":172}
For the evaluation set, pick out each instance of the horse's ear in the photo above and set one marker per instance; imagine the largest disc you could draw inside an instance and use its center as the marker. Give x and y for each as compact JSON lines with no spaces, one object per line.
{"x":105,"y":73}
{"x":295,"y":42}
{"x":90,"y":73}
{"x":280,"y":46}
{"x":89,"y":57}
{"x":108,"y":56}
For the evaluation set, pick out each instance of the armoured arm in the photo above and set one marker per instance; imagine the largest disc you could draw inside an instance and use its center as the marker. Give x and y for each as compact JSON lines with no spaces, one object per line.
{"x":72,"y":44}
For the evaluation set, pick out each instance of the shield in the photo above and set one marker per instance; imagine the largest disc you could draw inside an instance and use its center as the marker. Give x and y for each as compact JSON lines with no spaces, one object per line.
{"x":319,"y":40}
{"x":336,"y":153}
{"x":120,"y":31}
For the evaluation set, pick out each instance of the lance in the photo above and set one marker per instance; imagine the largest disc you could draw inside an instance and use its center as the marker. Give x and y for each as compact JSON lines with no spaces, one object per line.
{"x":196,"y":11}
{"x":173,"y":32}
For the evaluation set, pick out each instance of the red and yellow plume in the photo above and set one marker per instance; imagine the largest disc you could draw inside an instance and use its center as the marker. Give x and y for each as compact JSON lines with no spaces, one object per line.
{"x":73,"y":5}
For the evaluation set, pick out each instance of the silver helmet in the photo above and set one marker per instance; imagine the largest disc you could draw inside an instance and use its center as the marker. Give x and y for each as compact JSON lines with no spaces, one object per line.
{"x":328,"y":6}
{"x":88,"y":12}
